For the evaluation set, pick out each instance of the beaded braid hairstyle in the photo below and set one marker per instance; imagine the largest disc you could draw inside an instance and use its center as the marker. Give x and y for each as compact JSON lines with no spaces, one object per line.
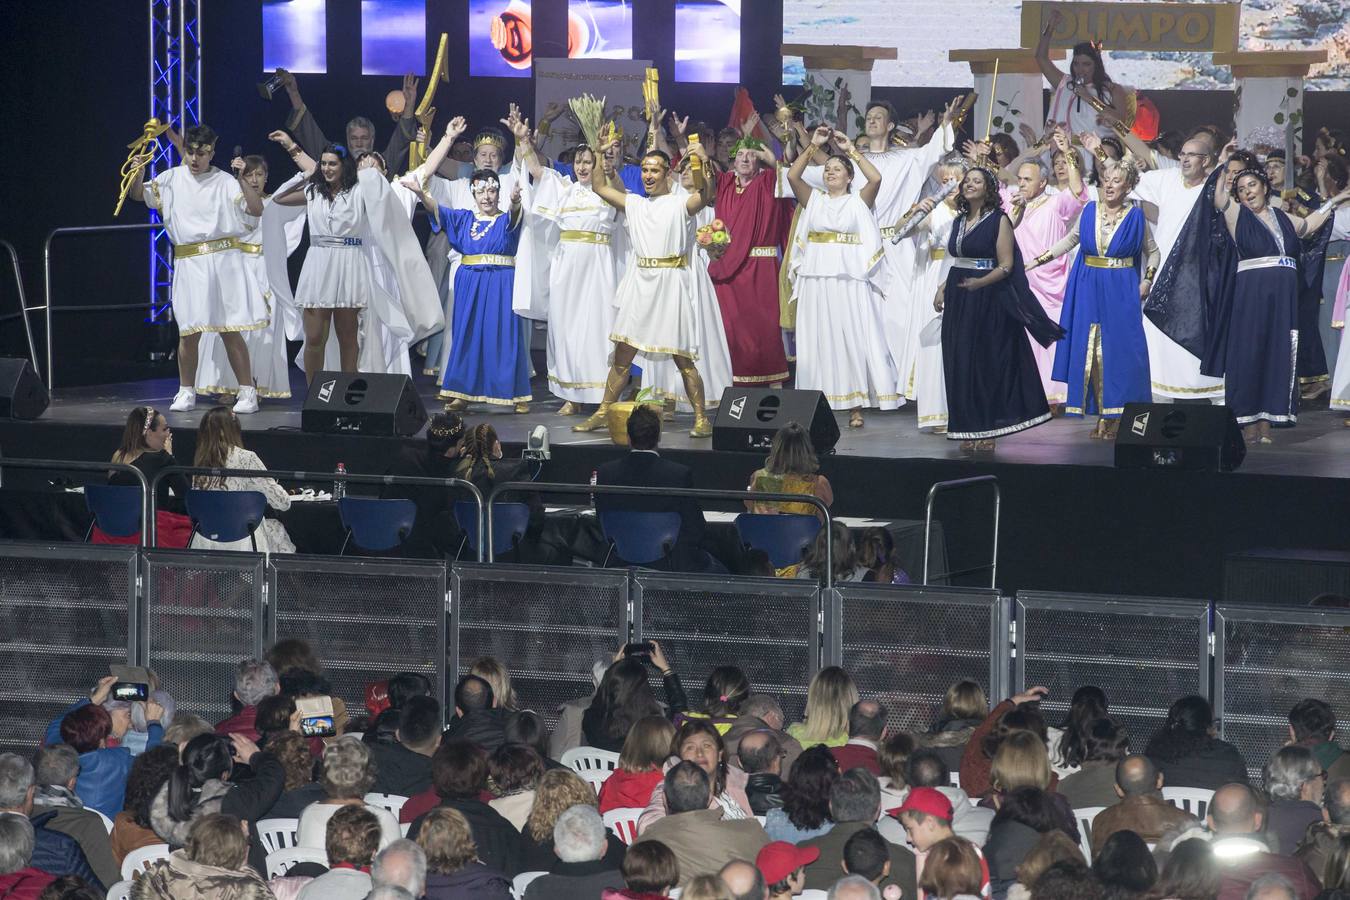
{"x":478,"y":444}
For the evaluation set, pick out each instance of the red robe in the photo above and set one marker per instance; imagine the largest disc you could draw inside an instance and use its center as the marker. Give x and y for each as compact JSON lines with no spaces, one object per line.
{"x":747,"y":286}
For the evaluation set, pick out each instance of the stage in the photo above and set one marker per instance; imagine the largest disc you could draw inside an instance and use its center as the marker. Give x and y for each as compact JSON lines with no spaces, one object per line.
{"x":1071,"y":522}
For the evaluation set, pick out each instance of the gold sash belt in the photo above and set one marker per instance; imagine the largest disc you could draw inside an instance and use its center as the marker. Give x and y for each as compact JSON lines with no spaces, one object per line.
{"x":763,"y":252}
{"x":201,"y":248}
{"x":833,"y":237}
{"x":662,"y":262}
{"x":584,"y":237}
{"x":488,"y":259}
{"x":889,"y":232}
{"x":251,"y":249}
{"x":936,"y":253}
{"x":1108,"y":262}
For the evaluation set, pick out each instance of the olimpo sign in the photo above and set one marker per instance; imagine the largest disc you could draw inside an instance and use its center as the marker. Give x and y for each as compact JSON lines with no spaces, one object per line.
{"x":1198,"y":27}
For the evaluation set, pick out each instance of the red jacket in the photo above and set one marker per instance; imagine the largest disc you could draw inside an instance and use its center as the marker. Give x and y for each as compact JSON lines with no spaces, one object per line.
{"x":423,"y":802}
{"x":243,"y":722}
{"x":856,"y":756}
{"x":25,"y":884}
{"x":628,"y":789}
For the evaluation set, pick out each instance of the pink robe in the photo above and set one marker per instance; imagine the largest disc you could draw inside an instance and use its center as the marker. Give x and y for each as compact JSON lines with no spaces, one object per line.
{"x":1046,"y":220}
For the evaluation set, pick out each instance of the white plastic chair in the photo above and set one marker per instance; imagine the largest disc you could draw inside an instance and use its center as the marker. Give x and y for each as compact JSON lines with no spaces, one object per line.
{"x":814,"y":894}
{"x":139,"y":860}
{"x":279,"y":862}
{"x":624,"y":822}
{"x":277,"y":834}
{"x":107,"y":822}
{"x":522,"y":881}
{"x":585,"y":759}
{"x":1193,"y":800}
{"x":1084,"y":817}
{"x":762,"y":820}
{"x":404,"y":828}
{"x":120,"y":891}
{"x":595,"y":778}
{"x":392,"y":802}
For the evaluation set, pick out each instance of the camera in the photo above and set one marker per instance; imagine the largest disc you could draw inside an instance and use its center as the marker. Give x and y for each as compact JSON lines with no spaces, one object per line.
{"x":130,"y":691}
{"x":316,"y":716}
{"x":642,"y":649}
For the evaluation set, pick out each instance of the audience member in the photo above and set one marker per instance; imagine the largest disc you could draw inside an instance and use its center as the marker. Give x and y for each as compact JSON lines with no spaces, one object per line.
{"x":212,"y":865}
{"x":1018,"y":713}
{"x":478,"y":715}
{"x":435,"y":533}
{"x":761,"y":712}
{"x":723,"y":693}
{"x":1022,"y":762}
{"x":184,"y":727}
{"x":761,"y":760}
{"x":649,"y":870}
{"x":1100,"y":745}
{"x":301,"y":675}
{"x":1243,"y":855}
{"x":855,"y":804}
{"x":56,"y":806}
{"x":1023,"y":816}
{"x":866,"y":731}
{"x":131,"y":827}
{"x":695,"y":827}
{"x":459,"y":774}
{"x":707,"y":887}
{"x":1067,"y":880}
{"x":893,"y":761}
{"x":1272,"y":887}
{"x":524,"y":726}
{"x":866,"y":854}
{"x":743,"y":881}
{"x":513,"y":775}
{"x":351,"y":839}
{"x":1335,"y":876}
{"x":147,"y":444}
{"x":1068,"y":743}
{"x":829,"y":698}
{"x":404,"y":767}
{"x":1053,"y":847}
{"x":1190,"y":873}
{"x":19,"y":879}
{"x":1125,"y":867}
{"x":582,"y":872}
{"x":624,"y":697}
{"x":783,"y":866}
{"x":254,"y":680}
{"x":559,"y":790}
{"x":71,"y":887}
{"x":953,"y":869}
{"x":925,"y":768}
{"x":567,"y":731}
{"x":1295,"y":782}
{"x":403,"y":864}
{"x":220,"y":445}
{"x":805,"y":813}
{"x":92,"y":731}
{"x":456,"y":865}
{"x":1188,"y":754}
{"x":697,"y":741}
{"x":964,"y":707}
{"x":1142,"y":808}
{"x":790,"y":468}
{"x":644,"y":752}
{"x":273,"y":716}
{"x":843,"y":557}
{"x":1322,"y":838}
{"x":1312,"y":724}
{"x":496,"y":675}
{"x":876,"y":553}
{"x":853,"y":887}
{"x":300,"y":790}
{"x":53,"y":852}
{"x":348,"y":775}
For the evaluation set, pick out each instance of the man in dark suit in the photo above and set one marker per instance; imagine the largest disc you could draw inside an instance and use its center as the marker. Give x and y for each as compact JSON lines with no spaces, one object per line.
{"x":644,"y":467}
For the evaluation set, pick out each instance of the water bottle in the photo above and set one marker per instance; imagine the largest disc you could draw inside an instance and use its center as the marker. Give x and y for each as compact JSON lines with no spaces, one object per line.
{"x":595,"y":478}
{"x":340,"y":484}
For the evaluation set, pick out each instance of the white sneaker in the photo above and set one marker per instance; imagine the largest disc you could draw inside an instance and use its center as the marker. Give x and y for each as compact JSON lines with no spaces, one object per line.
{"x":247,"y":401}
{"x":184,"y":400}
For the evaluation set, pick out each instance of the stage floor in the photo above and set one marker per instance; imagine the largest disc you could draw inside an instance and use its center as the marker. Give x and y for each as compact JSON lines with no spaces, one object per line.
{"x":1319,"y":446}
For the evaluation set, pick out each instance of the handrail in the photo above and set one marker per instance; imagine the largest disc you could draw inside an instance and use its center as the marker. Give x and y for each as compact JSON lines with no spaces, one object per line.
{"x":957,"y":484}
{"x":147,"y":504}
{"x":297,"y":475}
{"x":47,"y":274}
{"x":23,"y":302}
{"x":694,"y":493}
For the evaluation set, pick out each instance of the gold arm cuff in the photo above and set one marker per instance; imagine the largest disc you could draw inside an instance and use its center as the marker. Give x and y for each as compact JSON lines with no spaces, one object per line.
{"x":1150,"y":272}
{"x":584,"y":237}
{"x":251,"y":249}
{"x":1108,"y":262}
{"x":201,"y":248}
{"x":662,"y":262}
{"x":833,"y":237}
{"x":488,"y":259}
{"x":937,"y":253}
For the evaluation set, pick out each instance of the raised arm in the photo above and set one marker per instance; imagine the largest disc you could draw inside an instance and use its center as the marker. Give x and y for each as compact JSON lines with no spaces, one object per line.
{"x":868,"y":192}
{"x":1224,"y":203}
{"x":413,"y":183}
{"x":800,"y":189}
{"x":704,"y":191}
{"x":1309,"y":224}
{"x":601,"y":182}
{"x":1048,"y":69}
{"x":438,"y":154}
{"x":525,"y":154}
{"x":1062,"y":246}
{"x":303,"y":161}
{"x":253,"y":203}
{"x":1060,"y":139}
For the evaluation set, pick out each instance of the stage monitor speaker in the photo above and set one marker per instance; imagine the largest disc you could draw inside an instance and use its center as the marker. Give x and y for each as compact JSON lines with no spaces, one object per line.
{"x":22,"y":393}
{"x":363,"y":403}
{"x":1193,"y":437}
{"x":748,"y":418}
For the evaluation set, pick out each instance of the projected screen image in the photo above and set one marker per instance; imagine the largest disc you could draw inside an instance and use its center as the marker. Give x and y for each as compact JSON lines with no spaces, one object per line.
{"x":500,"y":42}
{"x":708,"y":41}
{"x":295,"y":35}
{"x":393,"y":37}
{"x":600,"y":29}
{"x":929,"y":28}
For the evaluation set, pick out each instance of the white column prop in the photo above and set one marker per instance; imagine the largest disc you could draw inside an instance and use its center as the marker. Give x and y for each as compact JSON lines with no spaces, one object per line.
{"x":1019,"y":96}
{"x":1269,"y":93}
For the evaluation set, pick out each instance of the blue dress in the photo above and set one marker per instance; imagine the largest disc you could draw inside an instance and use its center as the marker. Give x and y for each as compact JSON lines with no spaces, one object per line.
{"x":1104,"y":360}
{"x":1258,"y":349}
{"x":489,"y":360}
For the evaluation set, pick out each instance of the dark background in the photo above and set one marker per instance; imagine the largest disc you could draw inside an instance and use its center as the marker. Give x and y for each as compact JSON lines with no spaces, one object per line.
{"x":74,"y":92}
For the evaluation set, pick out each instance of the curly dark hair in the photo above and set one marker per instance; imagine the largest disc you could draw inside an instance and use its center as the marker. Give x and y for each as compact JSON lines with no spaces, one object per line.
{"x":148,"y":774}
{"x":1184,"y":732}
{"x":806,"y":793}
{"x":346,"y":179}
{"x":991,"y":198}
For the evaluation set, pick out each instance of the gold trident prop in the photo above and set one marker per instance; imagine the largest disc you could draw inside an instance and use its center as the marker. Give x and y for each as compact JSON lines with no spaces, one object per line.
{"x":651,"y":97}
{"x":143,"y":150}
{"x":425,"y":112}
{"x":993,"y":98}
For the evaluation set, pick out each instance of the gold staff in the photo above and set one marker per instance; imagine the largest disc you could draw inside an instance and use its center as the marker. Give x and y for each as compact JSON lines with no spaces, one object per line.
{"x":993,"y":98}
{"x":652,"y":99}
{"x":425,"y":112}
{"x":143,"y":150}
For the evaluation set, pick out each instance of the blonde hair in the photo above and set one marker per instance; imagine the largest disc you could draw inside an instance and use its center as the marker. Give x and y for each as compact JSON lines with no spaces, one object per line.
{"x":706,"y":887}
{"x":217,"y":840}
{"x":216,"y":435}
{"x":951,"y":868}
{"x":447,"y":840}
{"x":965,"y":700}
{"x":647,"y":745}
{"x":495,"y":674}
{"x":558,"y":790}
{"x":828,"y":700}
{"x":1021,"y":761}
{"x":1054,"y":846}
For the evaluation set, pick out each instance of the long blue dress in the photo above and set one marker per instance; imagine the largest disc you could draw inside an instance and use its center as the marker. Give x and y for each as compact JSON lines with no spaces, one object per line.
{"x":489,"y":359}
{"x":1257,"y":354}
{"x":1104,"y":360}
{"x":993,"y":385}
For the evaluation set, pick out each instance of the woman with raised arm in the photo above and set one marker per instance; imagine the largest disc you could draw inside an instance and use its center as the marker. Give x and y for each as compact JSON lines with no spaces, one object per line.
{"x":993,"y":385}
{"x":582,"y":273}
{"x":1104,"y":362}
{"x":841,"y":332}
{"x":1076,"y":96}
{"x":1256,"y":338}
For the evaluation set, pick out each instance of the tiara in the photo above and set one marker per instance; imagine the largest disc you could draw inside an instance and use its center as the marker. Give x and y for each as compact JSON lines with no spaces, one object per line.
{"x":149,"y":420}
{"x":487,"y":137}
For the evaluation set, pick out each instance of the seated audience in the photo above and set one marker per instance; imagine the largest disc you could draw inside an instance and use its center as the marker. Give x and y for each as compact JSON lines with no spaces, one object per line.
{"x":96,"y":735}
{"x":582,"y":871}
{"x":1104,"y":743}
{"x":1188,"y":754}
{"x":455,"y":867}
{"x":1236,"y":820}
{"x":829,"y":698}
{"x":761,"y":712}
{"x":791,"y":468}
{"x":876,"y":552}
{"x":52,"y":852}
{"x":783,"y":866}
{"x":147,"y":444}
{"x":478,"y":715}
{"x":723,"y":693}
{"x":624,"y":697}
{"x":953,"y":869}
{"x":1068,"y":743}
{"x":867,"y":856}
{"x":1335,"y":875}
{"x":855,"y":804}
{"x":1272,"y":887}
{"x":496,"y":675}
{"x":513,"y":775}
{"x":695,"y":827}
{"x":1053,"y":847}
{"x":843,"y":557}
{"x":220,"y":445}
{"x":649,"y":871}
{"x":184,"y":727}
{"x":19,"y":879}
{"x":762,"y":762}
{"x":964,"y":707}
{"x":866,"y":731}
{"x":348,"y":775}
{"x":1295,"y":782}
{"x":301,"y":675}
{"x":1190,"y":873}
{"x":404,"y":766}
{"x":459,"y":772}
{"x":697,"y":741}
{"x":254,"y":681}
{"x":1067,"y":880}
{"x":567,"y":731}
{"x":925,"y":768}
{"x":1312,"y":724}
{"x":56,"y":806}
{"x":403,"y":864}
{"x":212,"y":865}
{"x":893,"y":760}
{"x":131,"y":827}
{"x":1022,"y":762}
{"x":1023,"y":816}
{"x":71,"y":887}
{"x":352,"y":837}
{"x":1018,"y":713}
{"x":805,"y":813}
{"x":707,"y":887}
{"x":1125,"y":867}
{"x":481,"y":462}
{"x":1141,"y":809}
{"x":300,"y":789}
{"x":742,"y":879}
{"x":1322,"y":838}
{"x":644,"y":752}
{"x":526,"y":727}
{"x":435,"y":533}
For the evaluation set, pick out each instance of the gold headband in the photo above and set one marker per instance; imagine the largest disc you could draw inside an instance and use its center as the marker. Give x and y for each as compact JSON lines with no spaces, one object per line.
{"x":488,"y":137}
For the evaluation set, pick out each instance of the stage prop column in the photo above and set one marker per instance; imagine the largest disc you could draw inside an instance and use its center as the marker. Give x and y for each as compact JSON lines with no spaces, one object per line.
{"x":1269,"y":90}
{"x":1019,"y":96}
{"x":838,"y":82}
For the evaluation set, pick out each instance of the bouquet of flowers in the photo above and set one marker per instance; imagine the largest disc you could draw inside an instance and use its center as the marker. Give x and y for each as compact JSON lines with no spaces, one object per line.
{"x":714,"y":239}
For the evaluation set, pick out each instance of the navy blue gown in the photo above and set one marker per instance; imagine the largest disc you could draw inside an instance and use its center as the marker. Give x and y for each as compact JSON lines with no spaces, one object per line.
{"x":993,"y":385}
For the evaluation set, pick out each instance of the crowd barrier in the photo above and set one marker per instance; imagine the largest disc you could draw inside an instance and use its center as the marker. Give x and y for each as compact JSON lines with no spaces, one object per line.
{"x":22,"y":313}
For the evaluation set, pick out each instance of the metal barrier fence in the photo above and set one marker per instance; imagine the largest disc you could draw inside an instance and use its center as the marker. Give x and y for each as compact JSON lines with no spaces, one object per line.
{"x":22,"y":314}
{"x":962,"y":484}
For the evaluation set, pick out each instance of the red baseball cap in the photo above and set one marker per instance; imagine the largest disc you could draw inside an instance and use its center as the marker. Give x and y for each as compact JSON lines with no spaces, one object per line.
{"x":929,"y":801}
{"x":780,"y":859}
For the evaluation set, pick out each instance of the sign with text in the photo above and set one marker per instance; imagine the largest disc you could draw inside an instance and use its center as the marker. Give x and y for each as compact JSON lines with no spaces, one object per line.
{"x":1196,"y":27}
